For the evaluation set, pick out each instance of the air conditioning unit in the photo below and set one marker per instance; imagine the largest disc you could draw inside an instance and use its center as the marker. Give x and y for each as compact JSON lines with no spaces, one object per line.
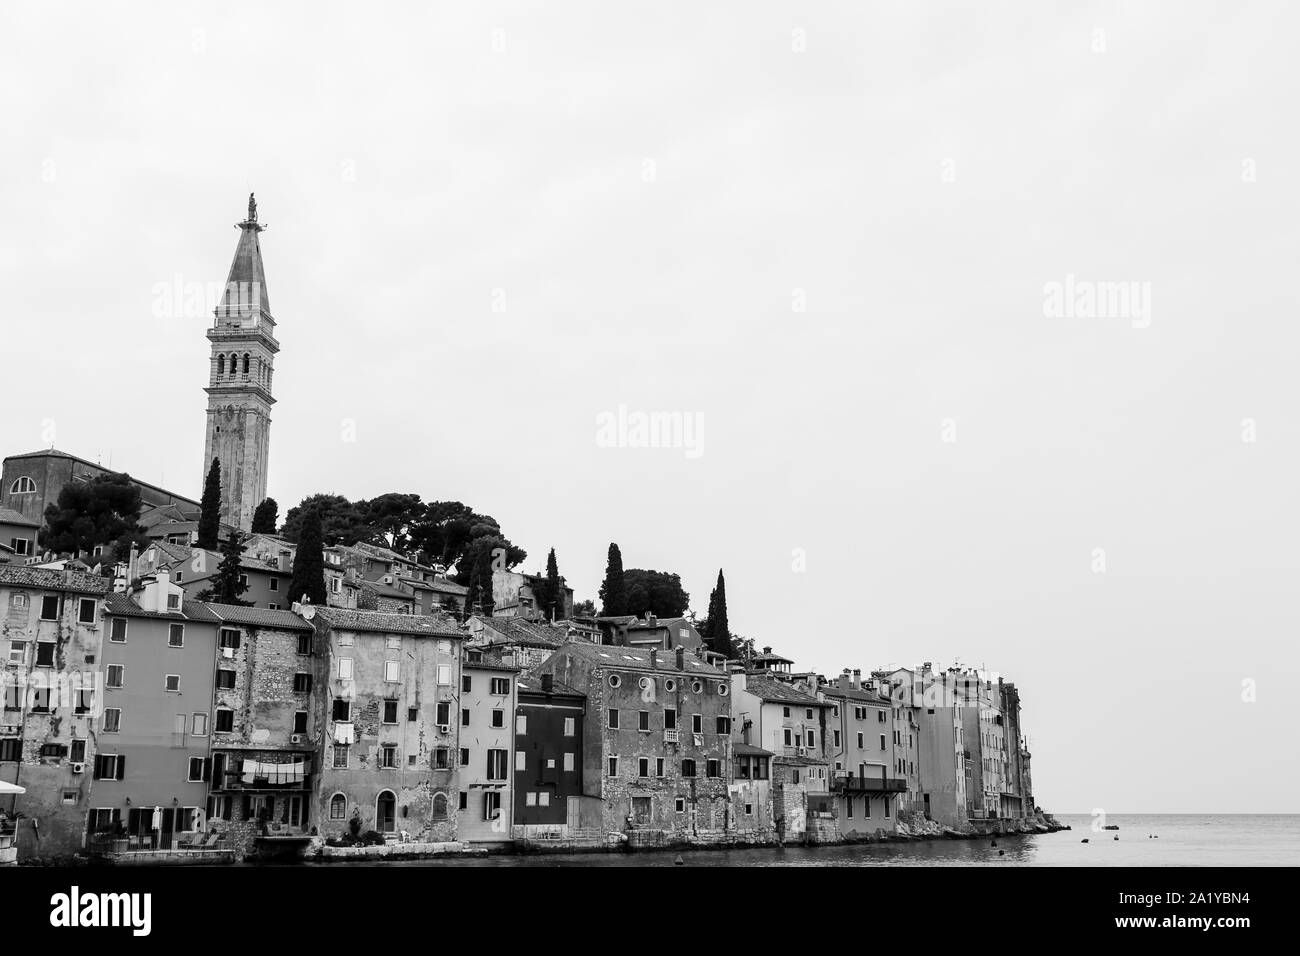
{"x":78,"y":768}
{"x":295,"y":739}
{"x":444,"y":728}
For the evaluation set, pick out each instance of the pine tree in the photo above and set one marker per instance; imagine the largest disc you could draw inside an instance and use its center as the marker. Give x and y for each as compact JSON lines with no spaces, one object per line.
{"x":717,"y":631}
{"x":613,"y":593}
{"x":210,"y":513}
{"x":265,"y":517}
{"x":308,"y":579}
{"x":227,"y":585}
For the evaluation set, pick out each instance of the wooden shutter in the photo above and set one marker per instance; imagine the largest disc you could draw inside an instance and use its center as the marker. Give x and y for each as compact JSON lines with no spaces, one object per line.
{"x":207,"y":768}
{"x":121,"y":767}
{"x":99,"y":764}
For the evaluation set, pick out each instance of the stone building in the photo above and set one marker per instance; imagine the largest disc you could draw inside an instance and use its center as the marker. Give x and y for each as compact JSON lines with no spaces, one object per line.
{"x":240,"y":377}
{"x":657,"y":750}
{"x":17,"y":535}
{"x":390,"y":701}
{"x":865,"y":780}
{"x":51,"y":634}
{"x":942,"y":762}
{"x":154,"y":762}
{"x":266,"y":725}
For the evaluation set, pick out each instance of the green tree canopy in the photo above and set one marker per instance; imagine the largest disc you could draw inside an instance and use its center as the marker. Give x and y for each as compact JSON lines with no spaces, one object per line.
{"x":342,"y":521}
{"x":613,"y":590}
{"x":227,"y":584}
{"x":394,"y":516}
{"x":657,"y":592}
{"x":308,"y":578}
{"x":103,"y":511}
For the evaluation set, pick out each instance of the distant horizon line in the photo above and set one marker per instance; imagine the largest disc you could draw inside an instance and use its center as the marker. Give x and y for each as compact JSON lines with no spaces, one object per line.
{"x":1178,"y":813}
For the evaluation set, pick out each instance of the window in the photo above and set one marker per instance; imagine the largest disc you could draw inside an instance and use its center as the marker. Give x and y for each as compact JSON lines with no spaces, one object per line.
{"x":342,"y":709}
{"x":11,"y":749}
{"x":444,"y":674}
{"x":570,"y":727}
{"x":345,"y":668}
{"x":388,"y":757}
{"x":697,"y":724}
{"x":301,"y":683}
{"x":496,"y":765}
{"x":491,"y":804}
{"x":110,"y":767}
{"x":112,"y":720}
{"x":304,"y":645}
{"x":500,"y":686}
{"x":390,"y":711}
{"x":173,"y":602}
{"x":23,"y":486}
{"x":848,"y":812}
{"x":812,"y":738}
{"x":643,"y":722}
{"x":568,"y":764}
{"x":613,"y":766}
{"x":17,"y":651}
{"x":711,"y":768}
{"x":392,"y":672}
{"x":464,"y":756}
{"x":172,"y":683}
{"x":442,"y":713}
{"x":412,"y":713}
{"x":785,"y":711}
{"x":229,"y":638}
{"x":787,"y":737}
{"x":225,"y":679}
{"x":340,"y":756}
{"x":466,"y":684}
{"x":837,"y":740}
{"x":613,"y":718}
{"x":521,"y":723}
{"x":338,"y":807}
{"x":117,"y":630}
{"x":78,"y":754}
{"x":44,"y":653}
{"x":643,"y":767}
{"x":50,"y":607}
{"x":464,"y":799}
{"x":861,"y":743}
{"x":688,"y":767}
{"x":882,"y":741}
{"x":300,"y":722}
{"x":441,"y":758}
{"x":273,"y":585}
{"x":670,"y":718}
{"x":225,"y":721}
{"x":18,"y":600}
{"x":680,"y":805}
{"x":86,"y":611}
{"x":196,"y":769}
{"x":464,"y":716}
{"x":21,"y":545}
{"x":199,"y":725}
{"x":724,"y":725}
{"x":521,"y":761}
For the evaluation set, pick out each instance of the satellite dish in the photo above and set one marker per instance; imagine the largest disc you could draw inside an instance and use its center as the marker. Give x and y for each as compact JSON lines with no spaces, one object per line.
{"x":307,"y":613}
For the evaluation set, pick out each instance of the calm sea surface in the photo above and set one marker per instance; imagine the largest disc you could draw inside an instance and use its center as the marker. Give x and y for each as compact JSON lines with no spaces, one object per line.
{"x":1183,"y":840}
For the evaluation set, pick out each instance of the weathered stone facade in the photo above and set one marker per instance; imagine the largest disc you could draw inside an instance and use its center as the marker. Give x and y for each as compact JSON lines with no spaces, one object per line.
{"x":390,"y":716}
{"x":51,"y":634}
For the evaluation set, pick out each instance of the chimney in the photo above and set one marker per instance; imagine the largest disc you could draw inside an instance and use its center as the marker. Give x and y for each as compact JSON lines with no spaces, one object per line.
{"x":132,"y":563}
{"x":654,"y":657}
{"x":857,"y":678}
{"x":681,"y":658}
{"x":548,"y":683}
{"x":651,"y":620}
{"x":767,"y":650}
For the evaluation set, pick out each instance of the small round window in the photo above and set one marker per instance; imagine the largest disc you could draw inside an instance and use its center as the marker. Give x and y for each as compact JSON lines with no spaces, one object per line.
{"x":670,"y":685}
{"x":723,"y":690}
{"x":697,"y":686}
{"x":614,"y":680}
{"x":645,"y":682}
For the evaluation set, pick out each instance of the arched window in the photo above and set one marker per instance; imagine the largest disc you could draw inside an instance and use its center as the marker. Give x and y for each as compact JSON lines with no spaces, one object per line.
{"x":386,"y":812}
{"x":245,"y":363}
{"x":440,"y":806}
{"x":221,"y":365}
{"x":338,"y":807}
{"x":234,"y":364}
{"x":23,"y":486}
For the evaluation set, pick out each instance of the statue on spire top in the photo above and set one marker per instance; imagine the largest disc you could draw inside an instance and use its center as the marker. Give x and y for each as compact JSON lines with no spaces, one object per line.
{"x":252,"y":208}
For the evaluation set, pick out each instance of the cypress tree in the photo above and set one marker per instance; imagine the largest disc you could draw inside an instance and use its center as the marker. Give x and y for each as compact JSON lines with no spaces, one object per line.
{"x":613,"y":592}
{"x":718,"y":631}
{"x":227,"y":586}
{"x":265,"y":517}
{"x":308,"y":579}
{"x":554,"y":586}
{"x":210,"y":505}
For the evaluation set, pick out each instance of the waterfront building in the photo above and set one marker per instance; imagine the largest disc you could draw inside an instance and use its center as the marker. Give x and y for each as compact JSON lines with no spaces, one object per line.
{"x":488,"y":759}
{"x":550,"y":719}
{"x":51,"y":635}
{"x":866,"y":782}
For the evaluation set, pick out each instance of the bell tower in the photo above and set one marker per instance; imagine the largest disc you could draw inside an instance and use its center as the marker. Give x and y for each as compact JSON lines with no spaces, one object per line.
{"x":239,"y":380}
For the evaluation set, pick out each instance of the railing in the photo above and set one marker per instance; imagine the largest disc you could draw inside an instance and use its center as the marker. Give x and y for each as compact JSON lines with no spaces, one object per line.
{"x":670,"y":736}
{"x":854,"y":784}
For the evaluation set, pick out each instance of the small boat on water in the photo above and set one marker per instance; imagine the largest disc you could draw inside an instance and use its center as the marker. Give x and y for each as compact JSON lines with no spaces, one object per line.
{"x":1111,"y":826}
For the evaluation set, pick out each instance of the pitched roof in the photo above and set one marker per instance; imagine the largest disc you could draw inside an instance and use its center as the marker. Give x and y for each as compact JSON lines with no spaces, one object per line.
{"x":384,"y":623}
{"x":517,"y":630}
{"x":246,"y":283}
{"x":765,"y":688}
{"x":9,"y":516}
{"x":441,"y":585}
{"x":634,"y":658}
{"x":864,"y":696}
{"x":259,"y":617}
{"x":123,"y":605}
{"x":55,"y":453}
{"x":77,"y":582}
{"x":529,"y":684}
{"x":768,"y":656}
{"x":748,"y":750}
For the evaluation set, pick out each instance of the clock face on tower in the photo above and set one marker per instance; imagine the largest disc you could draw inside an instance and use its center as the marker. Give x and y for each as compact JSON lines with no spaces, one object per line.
{"x":240,"y":376}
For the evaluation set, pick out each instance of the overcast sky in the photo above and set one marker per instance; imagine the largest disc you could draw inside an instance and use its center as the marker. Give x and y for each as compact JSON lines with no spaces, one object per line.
{"x":823,"y":233}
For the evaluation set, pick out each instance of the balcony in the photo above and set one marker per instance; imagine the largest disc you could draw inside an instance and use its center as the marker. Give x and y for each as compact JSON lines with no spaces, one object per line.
{"x":670,"y":736}
{"x":848,"y":783}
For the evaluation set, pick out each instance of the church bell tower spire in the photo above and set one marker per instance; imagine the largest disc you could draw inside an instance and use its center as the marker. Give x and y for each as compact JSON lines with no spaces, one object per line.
{"x":239,"y":379}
